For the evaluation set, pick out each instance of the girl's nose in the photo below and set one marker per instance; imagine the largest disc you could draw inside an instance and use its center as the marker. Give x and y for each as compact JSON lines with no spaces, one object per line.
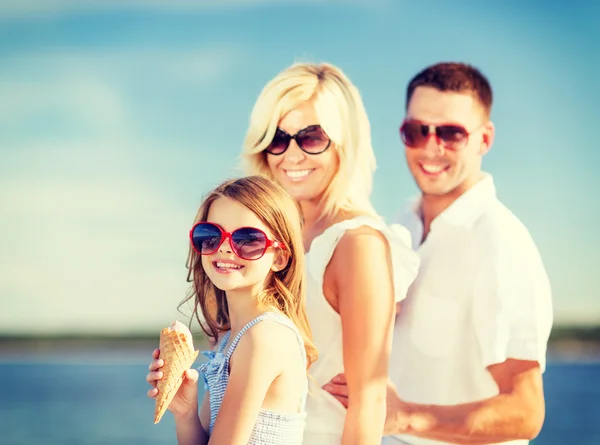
{"x":225,"y":246}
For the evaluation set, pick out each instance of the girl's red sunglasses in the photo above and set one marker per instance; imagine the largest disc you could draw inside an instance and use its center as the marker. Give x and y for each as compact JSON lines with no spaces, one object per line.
{"x":248,"y":243}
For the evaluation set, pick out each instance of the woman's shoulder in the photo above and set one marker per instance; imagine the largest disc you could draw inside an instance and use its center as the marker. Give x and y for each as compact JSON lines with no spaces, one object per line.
{"x":363,"y":234}
{"x":352,"y":223}
{"x":354,"y":228}
{"x":359,"y":246}
{"x":368,"y":242}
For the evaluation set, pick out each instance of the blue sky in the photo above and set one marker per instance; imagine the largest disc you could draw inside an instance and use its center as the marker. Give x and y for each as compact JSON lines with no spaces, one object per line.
{"x":117,"y":116}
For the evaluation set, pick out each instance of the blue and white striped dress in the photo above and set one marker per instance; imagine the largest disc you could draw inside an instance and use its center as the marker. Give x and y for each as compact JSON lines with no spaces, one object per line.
{"x":271,"y":428}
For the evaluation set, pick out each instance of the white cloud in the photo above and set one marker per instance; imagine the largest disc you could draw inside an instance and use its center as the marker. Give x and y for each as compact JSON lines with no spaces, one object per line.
{"x":91,"y":252}
{"x":93,"y":237}
{"x":27,"y":8}
{"x":89,"y":86}
{"x":88,"y":99}
{"x":203,"y":62}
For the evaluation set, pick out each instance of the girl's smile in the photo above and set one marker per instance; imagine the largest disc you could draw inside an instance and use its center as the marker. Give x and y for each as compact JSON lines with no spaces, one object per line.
{"x":226,"y":266}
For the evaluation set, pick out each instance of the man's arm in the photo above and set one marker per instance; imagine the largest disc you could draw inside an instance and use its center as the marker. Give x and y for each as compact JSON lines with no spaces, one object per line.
{"x":517,"y":412}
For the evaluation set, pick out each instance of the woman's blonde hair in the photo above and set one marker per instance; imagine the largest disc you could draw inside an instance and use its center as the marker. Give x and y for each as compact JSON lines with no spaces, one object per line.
{"x":341,"y":114}
{"x":285,"y":291}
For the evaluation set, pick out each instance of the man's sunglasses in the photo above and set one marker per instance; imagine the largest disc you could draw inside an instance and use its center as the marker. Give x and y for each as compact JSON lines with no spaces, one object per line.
{"x":311,"y":140}
{"x":415,"y":134}
{"x":248,"y":243}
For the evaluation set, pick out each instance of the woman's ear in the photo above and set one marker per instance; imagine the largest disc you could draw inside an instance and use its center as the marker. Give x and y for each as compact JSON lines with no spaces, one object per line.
{"x":280,"y":261}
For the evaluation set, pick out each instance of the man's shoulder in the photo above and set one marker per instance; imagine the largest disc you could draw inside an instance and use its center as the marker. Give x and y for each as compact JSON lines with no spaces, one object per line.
{"x":500,"y":233}
{"x":497,"y":221}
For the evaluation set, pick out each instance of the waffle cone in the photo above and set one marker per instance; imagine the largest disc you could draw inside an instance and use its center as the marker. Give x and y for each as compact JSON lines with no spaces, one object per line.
{"x":178,"y":356}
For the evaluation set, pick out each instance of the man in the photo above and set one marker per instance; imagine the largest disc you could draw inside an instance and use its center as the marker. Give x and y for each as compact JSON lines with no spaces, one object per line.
{"x":470,"y":340}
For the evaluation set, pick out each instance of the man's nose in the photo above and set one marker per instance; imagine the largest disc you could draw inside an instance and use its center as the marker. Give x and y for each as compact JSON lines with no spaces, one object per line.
{"x":433,"y":146}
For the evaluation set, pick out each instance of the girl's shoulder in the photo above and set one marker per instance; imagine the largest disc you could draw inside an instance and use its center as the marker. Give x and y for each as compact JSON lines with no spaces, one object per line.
{"x":273,"y":342}
{"x":272,"y":333}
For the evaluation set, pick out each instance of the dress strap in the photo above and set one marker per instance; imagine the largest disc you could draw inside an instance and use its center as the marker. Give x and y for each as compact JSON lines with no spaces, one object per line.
{"x":238,"y":337}
{"x":224,"y":341}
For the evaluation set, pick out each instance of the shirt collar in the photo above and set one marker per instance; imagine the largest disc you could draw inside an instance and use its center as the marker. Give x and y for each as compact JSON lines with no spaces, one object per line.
{"x":410,"y":217}
{"x":462,"y":212}
{"x":471,"y":204}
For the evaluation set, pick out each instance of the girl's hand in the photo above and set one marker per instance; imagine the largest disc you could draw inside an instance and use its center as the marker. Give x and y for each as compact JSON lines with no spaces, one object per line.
{"x":185,"y":401}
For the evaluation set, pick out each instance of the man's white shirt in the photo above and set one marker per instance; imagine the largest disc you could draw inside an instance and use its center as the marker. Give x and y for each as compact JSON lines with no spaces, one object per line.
{"x":482,"y":295}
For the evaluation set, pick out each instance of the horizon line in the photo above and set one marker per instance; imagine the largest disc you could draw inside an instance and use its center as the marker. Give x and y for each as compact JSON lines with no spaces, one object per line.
{"x":148,"y":334}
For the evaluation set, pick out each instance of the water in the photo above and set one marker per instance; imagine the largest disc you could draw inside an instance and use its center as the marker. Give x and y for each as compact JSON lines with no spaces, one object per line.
{"x":103,"y":403}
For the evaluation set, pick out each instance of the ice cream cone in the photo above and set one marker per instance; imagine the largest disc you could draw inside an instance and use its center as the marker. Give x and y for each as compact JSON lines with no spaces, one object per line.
{"x":177,"y":352}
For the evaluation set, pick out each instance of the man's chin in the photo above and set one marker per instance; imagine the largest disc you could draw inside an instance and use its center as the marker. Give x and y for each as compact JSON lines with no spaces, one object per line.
{"x":429,"y":187}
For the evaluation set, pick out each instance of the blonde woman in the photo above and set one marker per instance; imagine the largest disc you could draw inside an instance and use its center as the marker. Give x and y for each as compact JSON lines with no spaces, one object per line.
{"x":309,"y":131}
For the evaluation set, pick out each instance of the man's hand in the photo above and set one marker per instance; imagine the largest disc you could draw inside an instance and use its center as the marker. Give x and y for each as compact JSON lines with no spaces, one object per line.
{"x":399,"y":418}
{"x":337,"y":388}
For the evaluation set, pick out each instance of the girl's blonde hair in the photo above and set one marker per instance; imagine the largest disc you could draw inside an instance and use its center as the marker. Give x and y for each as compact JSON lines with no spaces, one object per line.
{"x":285,"y":291}
{"x":341,"y":114}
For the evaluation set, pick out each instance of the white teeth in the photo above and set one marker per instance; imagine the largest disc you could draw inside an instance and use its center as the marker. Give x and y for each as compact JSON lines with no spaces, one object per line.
{"x":429,"y":168}
{"x":222,"y":265}
{"x":297,"y":173}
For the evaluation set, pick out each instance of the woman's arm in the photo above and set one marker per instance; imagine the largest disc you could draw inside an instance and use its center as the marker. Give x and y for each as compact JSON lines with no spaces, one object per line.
{"x":255,"y":364}
{"x":359,"y":278}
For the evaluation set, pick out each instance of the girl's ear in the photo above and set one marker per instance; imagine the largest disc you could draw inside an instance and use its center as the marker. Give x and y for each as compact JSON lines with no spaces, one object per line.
{"x":281,"y":260}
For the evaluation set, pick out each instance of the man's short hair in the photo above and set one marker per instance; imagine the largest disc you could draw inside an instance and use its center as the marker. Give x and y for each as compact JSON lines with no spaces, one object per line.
{"x":455,"y":77}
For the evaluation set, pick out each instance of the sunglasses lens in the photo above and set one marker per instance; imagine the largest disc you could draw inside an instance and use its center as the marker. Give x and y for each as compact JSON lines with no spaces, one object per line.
{"x":279,"y":143}
{"x":206,"y":238}
{"x":313,"y":140}
{"x":452,"y":136}
{"x":249,"y":243}
{"x":413,"y":134}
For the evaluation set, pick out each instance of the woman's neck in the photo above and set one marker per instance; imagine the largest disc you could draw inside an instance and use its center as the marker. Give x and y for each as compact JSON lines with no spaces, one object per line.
{"x":312,"y":212}
{"x":314,"y":222}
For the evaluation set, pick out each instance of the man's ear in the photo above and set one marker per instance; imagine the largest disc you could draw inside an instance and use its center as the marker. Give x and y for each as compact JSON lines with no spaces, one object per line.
{"x":281,"y":260}
{"x":487,"y":140}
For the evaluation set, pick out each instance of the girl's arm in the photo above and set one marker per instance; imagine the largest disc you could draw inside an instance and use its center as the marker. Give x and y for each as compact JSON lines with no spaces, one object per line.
{"x":255,"y":364}
{"x":188,"y":427}
{"x":359,"y":277}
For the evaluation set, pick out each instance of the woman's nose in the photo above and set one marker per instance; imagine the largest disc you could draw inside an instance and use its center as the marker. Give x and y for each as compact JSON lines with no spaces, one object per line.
{"x":294,"y":153}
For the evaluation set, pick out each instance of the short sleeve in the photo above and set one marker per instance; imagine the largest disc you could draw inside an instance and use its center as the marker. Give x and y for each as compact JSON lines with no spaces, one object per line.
{"x":405,"y":261}
{"x":512,"y":308}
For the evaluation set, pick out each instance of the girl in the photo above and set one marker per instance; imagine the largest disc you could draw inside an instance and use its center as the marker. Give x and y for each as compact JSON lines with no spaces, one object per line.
{"x":309,"y":131}
{"x":246,"y":263}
